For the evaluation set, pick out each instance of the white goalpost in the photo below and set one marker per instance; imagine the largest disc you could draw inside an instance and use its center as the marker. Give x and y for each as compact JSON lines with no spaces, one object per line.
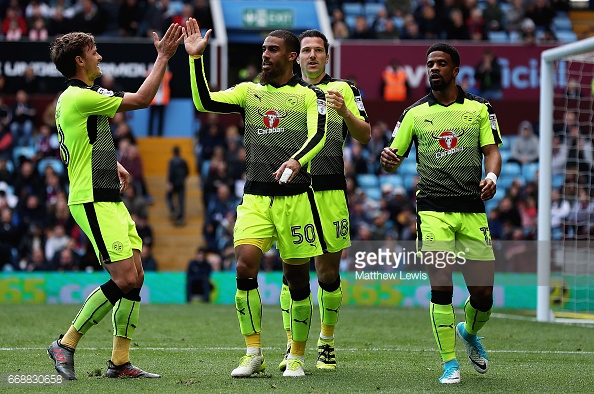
{"x":573,"y":61}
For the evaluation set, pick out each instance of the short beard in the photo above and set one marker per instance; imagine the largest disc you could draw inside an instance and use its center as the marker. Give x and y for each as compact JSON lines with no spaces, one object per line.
{"x":266,"y":78}
{"x":438,"y":86}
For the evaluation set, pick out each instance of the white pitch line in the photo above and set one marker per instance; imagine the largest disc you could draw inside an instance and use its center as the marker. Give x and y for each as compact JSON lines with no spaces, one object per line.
{"x":383,"y":349}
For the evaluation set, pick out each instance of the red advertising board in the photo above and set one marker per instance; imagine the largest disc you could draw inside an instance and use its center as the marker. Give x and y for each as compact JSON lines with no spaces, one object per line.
{"x":365,"y":60}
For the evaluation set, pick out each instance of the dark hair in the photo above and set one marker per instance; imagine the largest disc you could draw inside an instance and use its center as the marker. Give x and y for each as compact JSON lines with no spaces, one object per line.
{"x":315,"y":33}
{"x":290,"y":39}
{"x":65,"y":49}
{"x":447,"y":48}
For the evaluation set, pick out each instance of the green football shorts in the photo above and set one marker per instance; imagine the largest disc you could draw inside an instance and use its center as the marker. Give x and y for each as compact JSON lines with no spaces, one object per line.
{"x":292,"y":222}
{"x":334,"y":215}
{"x":110,"y":229}
{"x":465,"y":234}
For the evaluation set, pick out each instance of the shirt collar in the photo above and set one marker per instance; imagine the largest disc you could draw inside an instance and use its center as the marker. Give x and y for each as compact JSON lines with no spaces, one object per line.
{"x":459,"y":99}
{"x":77,"y":83}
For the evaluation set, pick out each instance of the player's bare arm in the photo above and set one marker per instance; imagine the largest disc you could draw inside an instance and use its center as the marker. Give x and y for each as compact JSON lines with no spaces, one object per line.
{"x":389,"y":160}
{"x":194,"y":43}
{"x":291,"y":164}
{"x":359,"y":129}
{"x":492,"y":166}
{"x":166,"y":48}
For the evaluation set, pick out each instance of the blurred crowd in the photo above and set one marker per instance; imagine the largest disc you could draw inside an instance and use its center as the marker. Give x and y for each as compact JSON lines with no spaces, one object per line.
{"x":530,"y":20}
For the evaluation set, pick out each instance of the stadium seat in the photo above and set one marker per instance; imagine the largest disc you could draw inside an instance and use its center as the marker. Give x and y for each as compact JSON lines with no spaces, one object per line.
{"x":367,"y":180}
{"x":54,"y":162}
{"x":566,"y":36}
{"x":25,"y":151}
{"x":409,"y":181}
{"x":398,"y":22}
{"x":353,"y":9}
{"x":498,"y":36}
{"x":562,"y":23}
{"x":490,"y":205}
{"x":205,"y":170}
{"x":373,"y":192}
{"x":408,"y":167}
{"x":371,"y":9}
{"x":9,"y":166}
{"x":511,"y":170}
{"x":529,"y":171}
{"x":505,"y":155}
{"x":391,"y":179}
{"x":558,"y":180}
{"x":515,"y":37}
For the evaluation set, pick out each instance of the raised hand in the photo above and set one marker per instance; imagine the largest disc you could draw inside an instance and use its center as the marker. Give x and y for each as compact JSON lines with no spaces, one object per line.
{"x":167,"y":46}
{"x":194,"y":42}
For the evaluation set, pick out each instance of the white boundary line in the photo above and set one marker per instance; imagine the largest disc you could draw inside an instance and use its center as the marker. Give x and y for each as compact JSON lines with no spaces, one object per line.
{"x":374,"y":349}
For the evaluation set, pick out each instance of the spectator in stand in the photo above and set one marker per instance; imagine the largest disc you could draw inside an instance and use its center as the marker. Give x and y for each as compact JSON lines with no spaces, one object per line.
{"x":394,"y":82}
{"x":528,"y":213}
{"x":487,"y":74}
{"x":13,"y":21}
{"x":49,"y":114}
{"x":157,"y":108}
{"x":89,"y":18}
{"x":148,"y":260}
{"x":58,"y":23}
{"x":390,"y":31}
{"x":27,"y":180}
{"x":361,"y":30}
{"x":578,"y":221}
{"x":528,"y":32}
{"x":6,"y":175}
{"x":541,"y":13}
{"x":157,"y":18}
{"x":221,"y":205}
{"x":130,"y":17}
{"x":66,"y":260}
{"x":573,"y":90}
{"x":38,"y":30}
{"x":508,"y":213}
{"x":198,"y":273}
{"x":187,"y":11}
{"x":410,"y":30}
{"x":145,"y":231}
{"x":579,"y":151}
{"x":548,"y":37}
{"x":132,"y":161}
{"x":378,"y":141}
{"x":476,"y":25}
{"x":340,"y":30}
{"x":493,"y":16}
{"x":210,"y":135}
{"x":30,"y":82}
{"x":515,"y":16}
{"x":177,"y":172}
{"x":456,"y":28}
{"x":271,"y":261}
{"x":37,"y":262}
{"x":560,"y":209}
{"x":46,"y":144}
{"x":356,"y":162}
{"x":337,"y":16}
{"x":398,"y":8}
{"x":203,"y":14}
{"x":379,"y":21}
{"x":429,"y":25}
{"x":10,"y":236}
{"x":5,"y":115}
{"x":525,"y":147}
{"x":135,"y":202}
{"x":559,"y":159}
{"x":57,"y":240}
{"x":23,"y":118}
{"x":6,"y":138}
{"x":33,"y":239}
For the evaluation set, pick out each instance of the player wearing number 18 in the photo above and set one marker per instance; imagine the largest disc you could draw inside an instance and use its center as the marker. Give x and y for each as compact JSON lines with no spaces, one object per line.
{"x":453,"y":131}
{"x":346,"y":113}
{"x":97,"y":180}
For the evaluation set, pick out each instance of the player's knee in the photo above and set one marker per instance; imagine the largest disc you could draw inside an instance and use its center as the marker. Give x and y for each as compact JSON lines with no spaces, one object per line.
{"x":483,"y":297}
{"x":127,"y":281}
{"x":327,"y":273}
{"x":246,"y":269}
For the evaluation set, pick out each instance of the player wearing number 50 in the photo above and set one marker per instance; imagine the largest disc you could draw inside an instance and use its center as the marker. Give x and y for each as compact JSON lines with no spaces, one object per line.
{"x":285,"y":127}
{"x":346,"y":113}
{"x":453,"y":131}
{"x":96,"y":183}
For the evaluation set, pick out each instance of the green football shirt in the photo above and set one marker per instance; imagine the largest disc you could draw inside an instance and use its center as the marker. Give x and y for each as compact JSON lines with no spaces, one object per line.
{"x":327,"y":168}
{"x":448,"y":140}
{"x":86,"y":143}
{"x":281,"y":123}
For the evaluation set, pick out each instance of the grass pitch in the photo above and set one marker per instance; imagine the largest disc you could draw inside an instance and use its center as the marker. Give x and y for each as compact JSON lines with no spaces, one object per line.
{"x":379,"y":349}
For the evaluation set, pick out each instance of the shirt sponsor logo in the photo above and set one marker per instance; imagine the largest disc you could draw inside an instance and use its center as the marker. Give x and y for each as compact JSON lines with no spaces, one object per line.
{"x":448,"y":140}
{"x":105,"y":92}
{"x":359,"y":103}
{"x":493,"y":120}
{"x":396,"y":129}
{"x":322,"y":107}
{"x":271,"y":119}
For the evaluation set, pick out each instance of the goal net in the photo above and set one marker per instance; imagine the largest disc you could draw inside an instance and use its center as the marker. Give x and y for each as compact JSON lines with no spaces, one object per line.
{"x":565,"y":265}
